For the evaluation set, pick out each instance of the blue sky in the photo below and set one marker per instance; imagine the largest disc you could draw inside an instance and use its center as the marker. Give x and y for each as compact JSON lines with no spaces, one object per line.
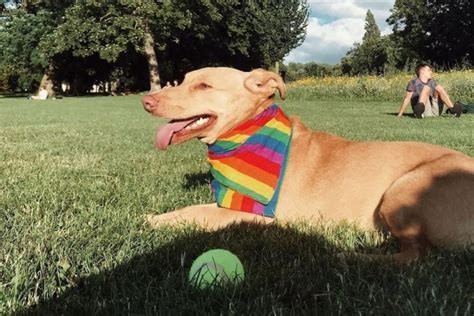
{"x":334,"y":26}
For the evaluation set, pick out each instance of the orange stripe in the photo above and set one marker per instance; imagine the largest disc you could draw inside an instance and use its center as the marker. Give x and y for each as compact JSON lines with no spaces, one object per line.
{"x":251,"y":170}
{"x":236,"y":201}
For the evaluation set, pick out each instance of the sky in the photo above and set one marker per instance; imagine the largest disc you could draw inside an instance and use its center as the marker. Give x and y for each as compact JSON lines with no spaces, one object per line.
{"x":334,"y":26}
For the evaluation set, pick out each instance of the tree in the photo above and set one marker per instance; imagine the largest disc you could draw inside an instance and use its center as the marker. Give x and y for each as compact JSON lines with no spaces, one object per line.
{"x":408,"y":19}
{"x":274,"y":28}
{"x":368,"y":57}
{"x":434,"y":30}
{"x":111,"y":28}
{"x":22,"y":63}
{"x":23,"y":26}
{"x":242,"y":34}
{"x":449,"y":18}
{"x":181,"y":35}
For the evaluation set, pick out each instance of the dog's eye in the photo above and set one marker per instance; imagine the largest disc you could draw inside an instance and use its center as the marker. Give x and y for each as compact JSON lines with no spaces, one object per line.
{"x":202,"y":86}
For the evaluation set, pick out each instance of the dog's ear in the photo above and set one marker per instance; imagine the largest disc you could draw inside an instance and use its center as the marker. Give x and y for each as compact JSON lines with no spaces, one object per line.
{"x":260,"y":81}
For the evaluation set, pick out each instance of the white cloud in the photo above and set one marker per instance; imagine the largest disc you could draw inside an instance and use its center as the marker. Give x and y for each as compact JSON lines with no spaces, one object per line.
{"x":335,"y":25}
{"x":327,"y":43}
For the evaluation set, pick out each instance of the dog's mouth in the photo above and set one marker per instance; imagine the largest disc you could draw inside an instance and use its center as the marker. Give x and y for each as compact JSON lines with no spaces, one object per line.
{"x":179,"y":131}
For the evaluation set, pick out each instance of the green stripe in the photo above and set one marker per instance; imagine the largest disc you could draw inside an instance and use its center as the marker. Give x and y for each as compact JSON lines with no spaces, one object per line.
{"x":237,"y":187}
{"x":221,"y":193}
{"x":274,"y":133}
{"x":228,"y":145}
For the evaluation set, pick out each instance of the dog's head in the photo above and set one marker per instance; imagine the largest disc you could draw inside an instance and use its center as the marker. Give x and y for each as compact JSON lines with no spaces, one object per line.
{"x":210,"y":102}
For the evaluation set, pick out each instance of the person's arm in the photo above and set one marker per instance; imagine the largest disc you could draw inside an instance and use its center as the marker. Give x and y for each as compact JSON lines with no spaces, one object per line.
{"x":405,"y":102}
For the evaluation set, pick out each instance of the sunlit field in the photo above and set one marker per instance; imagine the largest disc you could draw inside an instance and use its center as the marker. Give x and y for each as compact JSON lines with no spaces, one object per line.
{"x":459,"y":84}
{"x":78,"y":175}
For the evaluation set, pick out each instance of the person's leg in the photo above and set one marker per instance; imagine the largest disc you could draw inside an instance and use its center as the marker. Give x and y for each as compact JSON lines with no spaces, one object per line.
{"x":425,"y":95}
{"x":456,"y":108}
{"x":422,"y":103}
{"x":438,"y":103}
{"x":444,"y":96}
{"x":432,"y":107}
{"x":417,"y":107}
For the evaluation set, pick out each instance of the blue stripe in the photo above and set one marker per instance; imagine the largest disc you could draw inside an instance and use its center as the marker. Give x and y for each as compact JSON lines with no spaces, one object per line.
{"x":268,"y":142}
{"x":270,"y":208}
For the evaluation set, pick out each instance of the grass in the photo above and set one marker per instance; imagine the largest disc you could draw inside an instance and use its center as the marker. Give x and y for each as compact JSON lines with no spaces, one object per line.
{"x":77,"y":176}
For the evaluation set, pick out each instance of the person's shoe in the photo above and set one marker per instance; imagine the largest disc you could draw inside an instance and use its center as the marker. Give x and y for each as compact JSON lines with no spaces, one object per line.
{"x":418,"y":110}
{"x":457,"y":109}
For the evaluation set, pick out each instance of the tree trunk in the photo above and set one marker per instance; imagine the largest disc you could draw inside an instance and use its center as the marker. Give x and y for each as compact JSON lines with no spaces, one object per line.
{"x":152,"y":62}
{"x":47,"y":82}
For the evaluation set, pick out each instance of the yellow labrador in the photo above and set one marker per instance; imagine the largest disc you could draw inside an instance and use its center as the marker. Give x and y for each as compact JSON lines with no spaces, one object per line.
{"x":421,"y":193}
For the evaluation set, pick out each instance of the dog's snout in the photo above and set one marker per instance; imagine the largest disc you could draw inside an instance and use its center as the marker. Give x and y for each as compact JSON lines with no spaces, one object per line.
{"x":149,"y":103}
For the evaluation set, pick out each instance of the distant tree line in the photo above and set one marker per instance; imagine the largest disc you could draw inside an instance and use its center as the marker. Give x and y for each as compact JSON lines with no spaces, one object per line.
{"x":438,"y":32}
{"x":295,"y":71}
{"x":139,"y":45}
{"x":434,"y":31}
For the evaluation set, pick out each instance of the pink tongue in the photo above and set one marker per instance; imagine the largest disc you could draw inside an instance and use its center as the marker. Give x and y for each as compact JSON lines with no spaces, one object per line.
{"x":165,"y":133}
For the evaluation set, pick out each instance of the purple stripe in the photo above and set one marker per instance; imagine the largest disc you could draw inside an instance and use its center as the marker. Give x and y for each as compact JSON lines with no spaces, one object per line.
{"x":258,"y":208}
{"x":257,"y":149}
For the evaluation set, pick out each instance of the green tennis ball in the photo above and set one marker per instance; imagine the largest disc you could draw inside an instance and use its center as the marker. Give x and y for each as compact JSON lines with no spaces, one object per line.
{"x":216,"y":267}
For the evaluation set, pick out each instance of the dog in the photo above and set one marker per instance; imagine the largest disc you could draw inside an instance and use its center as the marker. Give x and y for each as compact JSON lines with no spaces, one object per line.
{"x":420,"y":193}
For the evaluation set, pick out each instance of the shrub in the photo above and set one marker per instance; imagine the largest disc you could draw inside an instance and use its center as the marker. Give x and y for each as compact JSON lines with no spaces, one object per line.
{"x":458,"y":84}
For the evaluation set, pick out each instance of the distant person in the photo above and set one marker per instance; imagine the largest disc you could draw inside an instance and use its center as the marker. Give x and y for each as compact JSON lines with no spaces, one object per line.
{"x":424,"y":93}
{"x":42,"y":94}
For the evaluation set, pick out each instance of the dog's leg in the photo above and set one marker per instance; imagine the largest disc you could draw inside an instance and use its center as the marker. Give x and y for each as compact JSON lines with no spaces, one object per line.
{"x":398,"y":213}
{"x":208,"y":216}
{"x":431,"y":206}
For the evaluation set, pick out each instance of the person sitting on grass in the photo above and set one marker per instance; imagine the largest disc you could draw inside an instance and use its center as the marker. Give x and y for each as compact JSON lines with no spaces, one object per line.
{"x":42,"y":94}
{"x":423,"y":94}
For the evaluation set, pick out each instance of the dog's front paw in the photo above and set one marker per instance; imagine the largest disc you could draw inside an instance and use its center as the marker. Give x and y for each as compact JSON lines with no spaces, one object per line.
{"x":167,"y":219}
{"x":155,"y":221}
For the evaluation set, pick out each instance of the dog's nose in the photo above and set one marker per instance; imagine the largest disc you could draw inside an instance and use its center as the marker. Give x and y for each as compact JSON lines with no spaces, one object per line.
{"x":149,"y":103}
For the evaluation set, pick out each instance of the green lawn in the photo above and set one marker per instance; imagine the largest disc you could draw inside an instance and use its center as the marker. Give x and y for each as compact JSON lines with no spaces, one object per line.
{"x":77,"y":176}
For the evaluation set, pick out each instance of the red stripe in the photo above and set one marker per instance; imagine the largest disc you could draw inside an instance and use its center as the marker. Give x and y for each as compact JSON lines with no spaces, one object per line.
{"x":251,"y":169}
{"x":281,"y":117}
{"x":253,"y":159}
{"x":260,"y":162}
{"x":247,"y":204}
{"x":250,"y":130}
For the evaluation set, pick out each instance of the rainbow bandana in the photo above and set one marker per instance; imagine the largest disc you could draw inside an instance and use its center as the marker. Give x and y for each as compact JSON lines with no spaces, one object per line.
{"x":248,"y":163}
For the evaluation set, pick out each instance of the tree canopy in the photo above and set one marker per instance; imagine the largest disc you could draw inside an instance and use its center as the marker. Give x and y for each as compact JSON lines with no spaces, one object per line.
{"x":368,"y":57}
{"x":439,"y":31}
{"x":434,"y":31}
{"x":81,"y":42}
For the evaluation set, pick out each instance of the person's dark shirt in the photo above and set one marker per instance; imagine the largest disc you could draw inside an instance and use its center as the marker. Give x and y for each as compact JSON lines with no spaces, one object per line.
{"x":416,"y":85}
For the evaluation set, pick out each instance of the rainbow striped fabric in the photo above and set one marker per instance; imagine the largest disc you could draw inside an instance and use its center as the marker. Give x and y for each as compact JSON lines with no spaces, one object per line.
{"x":248,"y":163}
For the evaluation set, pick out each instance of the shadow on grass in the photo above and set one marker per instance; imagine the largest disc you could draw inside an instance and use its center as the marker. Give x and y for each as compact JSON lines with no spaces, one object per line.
{"x":286,"y":269}
{"x":396,"y":113}
{"x":292,"y":269}
{"x":194,"y":180}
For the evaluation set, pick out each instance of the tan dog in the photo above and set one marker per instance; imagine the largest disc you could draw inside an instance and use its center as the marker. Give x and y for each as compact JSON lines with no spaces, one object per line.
{"x":422,"y":194}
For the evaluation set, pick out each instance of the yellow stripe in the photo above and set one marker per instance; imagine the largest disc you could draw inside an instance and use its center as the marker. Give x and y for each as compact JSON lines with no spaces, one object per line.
{"x":279,"y":125}
{"x":227,"y":200}
{"x":237,"y":138}
{"x":238,"y":177}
